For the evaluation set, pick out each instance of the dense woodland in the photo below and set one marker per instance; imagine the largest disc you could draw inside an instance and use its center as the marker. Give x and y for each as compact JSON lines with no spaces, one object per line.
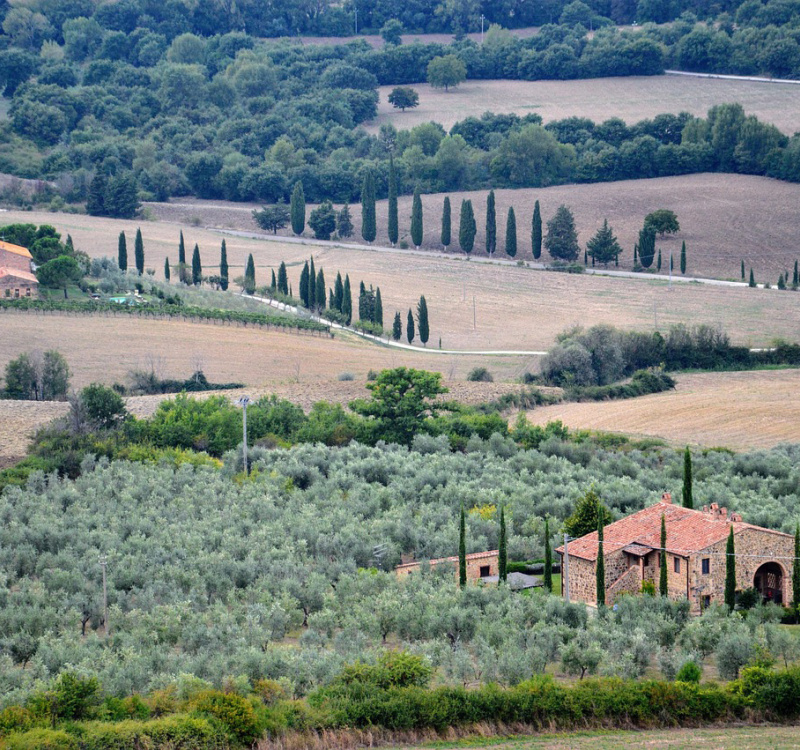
{"x":146,"y":97}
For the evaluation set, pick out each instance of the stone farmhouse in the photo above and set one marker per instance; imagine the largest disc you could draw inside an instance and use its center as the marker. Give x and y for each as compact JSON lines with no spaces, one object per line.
{"x":16,"y":273}
{"x":479,"y":565}
{"x":696,"y":554}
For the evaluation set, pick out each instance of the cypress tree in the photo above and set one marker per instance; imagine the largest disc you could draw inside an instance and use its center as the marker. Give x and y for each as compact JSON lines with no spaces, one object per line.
{"x":742,"y":270}
{"x":347,"y":300}
{"x":752,"y":281}
{"x":320,"y":290}
{"x":647,"y":245}
{"x":446,"y":223}
{"x":338,"y":292}
{"x":312,"y":285}
{"x":330,"y":299}
{"x":182,"y":260}
{"x":502,"y":550}
{"x":297,"y":208}
{"x":304,"y":285}
{"x":410,"y":326}
{"x":491,"y":224}
{"x":138,"y":249}
{"x":362,"y":293}
{"x":658,"y":262}
{"x":462,"y":539}
{"x":635,"y":255}
{"x":273,"y":284}
{"x":422,"y":320}
{"x":344,"y":222}
{"x":368,"y":221}
{"x":536,"y":231}
{"x":662,"y":579}
{"x":197,"y":267}
{"x":122,"y":252}
{"x":601,"y":563}
{"x":378,"y":308}
{"x":393,"y":229}
{"x":796,"y":573}
{"x":69,"y":243}
{"x":397,"y":327}
{"x":548,"y":557}
{"x":283,"y":279}
{"x":511,"y":234}
{"x":730,"y":572}
{"x":586,"y":257}
{"x":416,"y":219}
{"x":223,"y":268}
{"x":166,"y":269}
{"x":795,"y":276}
{"x":467,"y":228}
{"x":781,"y":282}
{"x":250,"y":275}
{"x":683,"y":257}
{"x":688,"y":499}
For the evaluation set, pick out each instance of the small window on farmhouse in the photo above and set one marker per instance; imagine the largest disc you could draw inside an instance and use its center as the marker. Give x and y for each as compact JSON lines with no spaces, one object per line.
{"x":706,"y":601}
{"x":16,"y":293}
{"x":706,"y":566}
{"x":27,"y":291}
{"x":8,"y":292}
{"x":676,"y":564}
{"x":486,"y":571}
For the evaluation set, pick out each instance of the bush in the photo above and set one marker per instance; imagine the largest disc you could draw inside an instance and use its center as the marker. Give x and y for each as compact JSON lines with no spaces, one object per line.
{"x":233,"y":711}
{"x":346,"y":376}
{"x":480,"y":375}
{"x":41,"y":739}
{"x":689,"y":672}
{"x":15,"y":719}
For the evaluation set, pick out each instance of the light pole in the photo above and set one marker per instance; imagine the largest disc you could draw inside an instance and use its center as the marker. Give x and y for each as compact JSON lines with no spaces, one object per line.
{"x":244,"y":401}
{"x":482,"y":19}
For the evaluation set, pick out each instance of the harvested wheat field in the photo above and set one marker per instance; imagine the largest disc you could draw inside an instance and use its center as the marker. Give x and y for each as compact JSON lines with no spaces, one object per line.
{"x":19,"y":420}
{"x":631,"y":99}
{"x":739,"y":410}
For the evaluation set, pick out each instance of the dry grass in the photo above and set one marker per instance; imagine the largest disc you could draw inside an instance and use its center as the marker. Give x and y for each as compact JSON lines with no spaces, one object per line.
{"x":632,"y":99}
{"x":739,"y":410}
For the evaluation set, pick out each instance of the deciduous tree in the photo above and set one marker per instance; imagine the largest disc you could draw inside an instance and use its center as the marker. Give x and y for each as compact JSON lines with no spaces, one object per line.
{"x":274,"y":217}
{"x":446,"y":71}
{"x":403,"y":98}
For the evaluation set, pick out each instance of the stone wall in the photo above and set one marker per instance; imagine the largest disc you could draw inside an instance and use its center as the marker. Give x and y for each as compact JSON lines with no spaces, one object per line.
{"x":473,"y":566}
{"x":15,"y":261}
{"x":15,"y":288}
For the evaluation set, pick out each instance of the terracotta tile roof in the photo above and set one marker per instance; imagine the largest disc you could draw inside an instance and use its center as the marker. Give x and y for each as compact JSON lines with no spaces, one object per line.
{"x":688,"y":531}
{"x":17,"y":249}
{"x":454,"y":558}
{"x":15,"y":274}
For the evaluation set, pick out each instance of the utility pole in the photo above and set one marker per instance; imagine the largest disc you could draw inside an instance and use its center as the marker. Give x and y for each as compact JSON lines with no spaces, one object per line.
{"x":482,"y":19}
{"x":103,"y":563}
{"x":244,"y":401}
{"x":565,"y":569}
{"x":474,"y":315}
{"x":670,"y":272}
{"x":356,"y":14}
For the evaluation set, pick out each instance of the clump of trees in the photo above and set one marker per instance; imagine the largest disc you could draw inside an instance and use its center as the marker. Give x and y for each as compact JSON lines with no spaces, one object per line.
{"x":37,"y":376}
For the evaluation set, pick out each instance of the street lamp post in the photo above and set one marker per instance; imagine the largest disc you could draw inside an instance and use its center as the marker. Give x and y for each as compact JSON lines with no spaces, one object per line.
{"x":244,"y":401}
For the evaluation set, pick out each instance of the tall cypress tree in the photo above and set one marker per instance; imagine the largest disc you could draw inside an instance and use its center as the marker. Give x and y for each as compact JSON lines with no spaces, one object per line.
{"x":320,"y":290}
{"x":347,"y":300}
{"x":688,"y":499}
{"x":511,"y":234}
{"x":138,"y":249}
{"x":223,"y":267}
{"x":378,"y":307}
{"x":743,"y":269}
{"x":662,"y":579}
{"x":416,"y":219}
{"x":393,"y":228}
{"x":397,"y":327}
{"x":297,"y":208}
{"x":410,"y":326}
{"x":283,"y":279}
{"x":462,"y":538}
{"x":362,"y":307}
{"x":344,"y":222}
{"x":548,"y":557}
{"x":491,"y":224}
{"x":182,"y":260}
{"x":166,"y":270}
{"x":446,"y":224}
{"x":368,"y":221}
{"x":466,"y":227}
{"x":197,"y":266}
{"x":338,"y":292}
{"x":600,"y":581}
{"x":422,"y":320}
{"x":122,"y":252}
{"x":730,"y":572}
{"x":273,"y":284}
{"x":752,"y":282}
{"x":658,"y":261}
{"x":502,"y":550}
{"x":250,"y":275}
{"x":796,"y":574}
{"x":536,"y":232}
{"x":312,"y":284}
{"x":795,"y":275}
{"x":647,"y":245}
{"x":304,"y":285}
{"x":683,"y":257}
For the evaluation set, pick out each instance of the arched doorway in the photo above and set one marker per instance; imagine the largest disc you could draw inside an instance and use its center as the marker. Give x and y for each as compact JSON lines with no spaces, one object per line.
{"x":768,"y":581}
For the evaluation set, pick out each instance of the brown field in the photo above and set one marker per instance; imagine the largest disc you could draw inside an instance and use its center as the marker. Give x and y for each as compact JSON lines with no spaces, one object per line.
{"x":739,"y":410}
{"x":729,"y":738}
{"x":632,"y":99}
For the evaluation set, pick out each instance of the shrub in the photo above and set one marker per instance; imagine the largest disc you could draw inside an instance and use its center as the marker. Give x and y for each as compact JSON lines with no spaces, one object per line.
{"x":689,"y":672}
{"x":346,"y":376}
{"x":233,"y":711}
{"x":480,"y":375}
{"x":41,"y":739}
{"x":15,"y":719}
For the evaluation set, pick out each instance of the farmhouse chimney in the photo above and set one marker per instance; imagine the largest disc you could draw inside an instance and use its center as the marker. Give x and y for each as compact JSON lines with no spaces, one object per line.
{"x":666,"y":497}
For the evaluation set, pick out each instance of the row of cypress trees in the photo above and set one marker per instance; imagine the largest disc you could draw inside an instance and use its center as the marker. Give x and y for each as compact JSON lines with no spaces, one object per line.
{"x":122,"y":252}
{"x":187,"y":274}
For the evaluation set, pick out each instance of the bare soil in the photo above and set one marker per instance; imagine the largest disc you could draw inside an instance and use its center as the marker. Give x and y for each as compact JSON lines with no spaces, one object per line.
{"x":739,"y":410}
{"x":632,"y":99}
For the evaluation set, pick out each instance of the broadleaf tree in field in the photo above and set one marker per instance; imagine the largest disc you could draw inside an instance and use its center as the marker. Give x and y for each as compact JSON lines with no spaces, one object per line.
{"x":323,"y":221}
{"x":663,"y":221}
{"x":446,"y":223}
{"x":197,"y":266}
{"x":403,"y":98}
{"x":446,"y":71}
{"x":223,"y":267}
{"x":122,"y":252}
{"x":272,"y":218}
{"x":422,"y":320}
{"x":491,"y":224}
{"x":368,"y":220}
{"x":511,"y":234}
{"x":138,"y":249}
{"x":603,"y":247}
{"x":467,"y":228}
{"x":297,"y":209}
{"x":393,"y":229}
{"x":416,"y":219}
{"x":536,"y":232}
{"x":561,"y":240}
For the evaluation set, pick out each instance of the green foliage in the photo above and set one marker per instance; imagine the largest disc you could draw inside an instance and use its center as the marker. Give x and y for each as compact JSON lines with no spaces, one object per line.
{"x":35,"y":377}
{"x":138,"y":249}
{"x":462,"y":548}
{"x":536,"y":232}
{"x":344,"y":223}
{"x":548,"y":557}
{"x":60,"y":273}
{"x":422,"y":320}
{"x":589,"y":514}
{"x":562,"y":239}
{"x":446,"y":71}
{"x":511,"y":234}
{"x":42,"y":739}
{"x":445,"y":237}
{"x":600,"y":566}
{"x":368,"y":220}
{"x":223,"y":267}
{"x":403,"y":98}
{"x":416,"y":219}
{"x":393,"y":669}
{"x":197,"y":266}
{"x":323,"y":221}
{"x":647,"y":245}
{"x":480,"y":375}
{"x":663,"y":587}
{"x":104,"y":407}
{"x":467,"y":228}
{"x":686,"y":495}
{"x":683,"y":258}
{"x":642,"y":383}
{"x":603,"y":247}
{"x":689,"y":672}
{"x":491,"y":224}
{"x":410,"y":332}
{"x":233,"y":712}
{"x":273,"y":218}
{"x":397,"y":327}
{"x":503,"y":547}
{"x":663,"y":221}
{"x":250,"y":275}
{"x":297,"y":209}
{"x":122,"y":253}
{"x":393,"y":228}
